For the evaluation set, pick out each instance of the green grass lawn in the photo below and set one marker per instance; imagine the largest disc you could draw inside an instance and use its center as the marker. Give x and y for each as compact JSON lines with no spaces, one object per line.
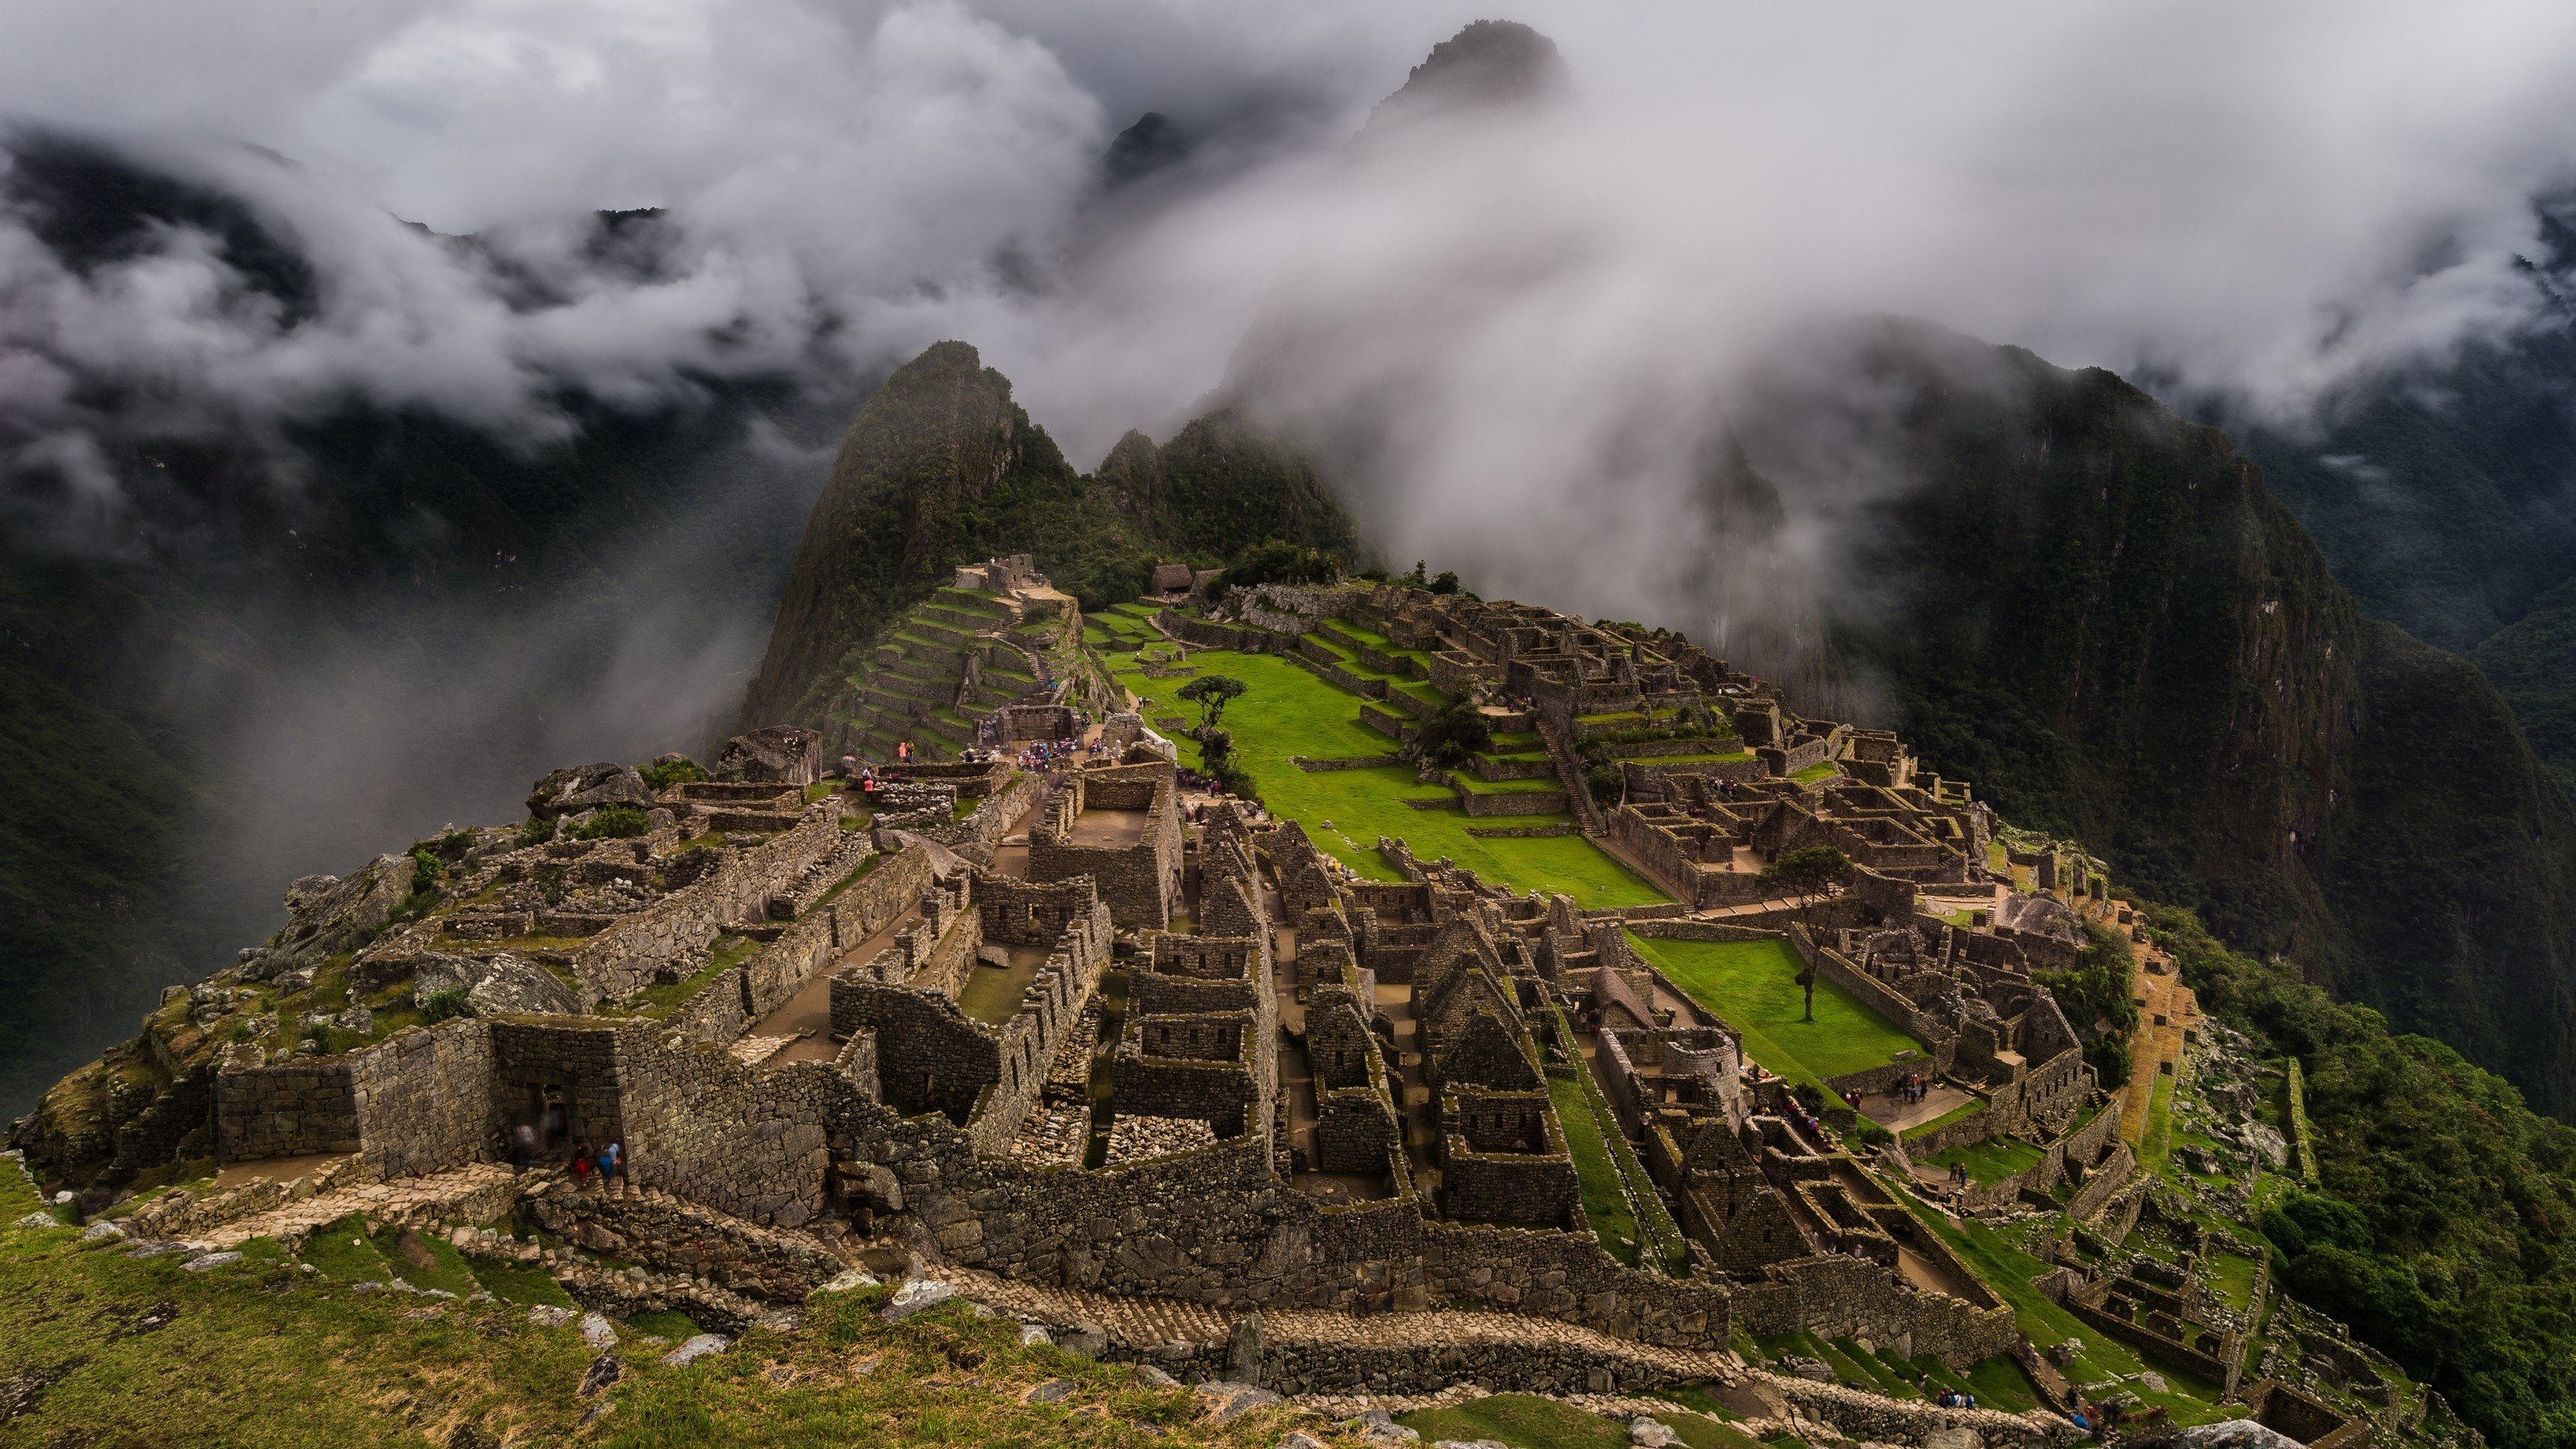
{"x":1813,"y":773}
{"x":1604,"y":1205}
{"x":1753,"y":986}
{"x":992,"y":994}
{"x":1525,"y":1421}
{"x":1288,"y":711}
{"x":1992,"y":1160}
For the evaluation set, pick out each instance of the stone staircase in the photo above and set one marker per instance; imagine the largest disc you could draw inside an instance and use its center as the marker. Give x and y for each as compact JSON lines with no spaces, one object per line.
{"x":476,"y":1192}
{"x":1143,"y":1325}
{"x":1569,"y":772}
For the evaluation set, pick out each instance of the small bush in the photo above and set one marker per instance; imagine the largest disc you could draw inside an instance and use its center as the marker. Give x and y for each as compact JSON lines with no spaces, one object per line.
{"x":426,"y":870}
{"x":440,"y":1006}
{"x":613,"y":822}
{"x":537,"y":831}
{"x":678,"y":770}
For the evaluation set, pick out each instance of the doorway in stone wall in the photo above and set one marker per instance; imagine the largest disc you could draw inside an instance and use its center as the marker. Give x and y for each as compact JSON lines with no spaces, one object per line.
{"x":547,"y":1109}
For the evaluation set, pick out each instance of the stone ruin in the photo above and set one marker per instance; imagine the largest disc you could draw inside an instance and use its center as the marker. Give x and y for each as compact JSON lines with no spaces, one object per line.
{"x":973,"y":1028}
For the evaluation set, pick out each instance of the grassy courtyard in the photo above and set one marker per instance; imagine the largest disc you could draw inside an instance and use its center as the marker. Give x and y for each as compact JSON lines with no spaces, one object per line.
{"x":1753,"y":986}
{"x":1287,"y":711}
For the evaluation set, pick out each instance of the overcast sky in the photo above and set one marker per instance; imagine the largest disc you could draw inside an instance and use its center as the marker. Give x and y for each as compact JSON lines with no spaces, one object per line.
{"x":2261,"y":198}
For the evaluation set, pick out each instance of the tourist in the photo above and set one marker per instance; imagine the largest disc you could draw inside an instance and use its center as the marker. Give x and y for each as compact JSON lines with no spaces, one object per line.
{"x":607,"y":1163}
{"x":523,"y":1147}
{"x":580,"y":1165}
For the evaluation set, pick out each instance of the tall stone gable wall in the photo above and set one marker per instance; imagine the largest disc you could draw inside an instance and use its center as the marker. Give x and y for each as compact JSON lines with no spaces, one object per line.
{"x":425,"y":1101}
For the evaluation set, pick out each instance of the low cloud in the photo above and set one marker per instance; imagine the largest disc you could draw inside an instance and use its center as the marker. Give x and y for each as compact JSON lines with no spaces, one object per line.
{"x":1519,"y":335}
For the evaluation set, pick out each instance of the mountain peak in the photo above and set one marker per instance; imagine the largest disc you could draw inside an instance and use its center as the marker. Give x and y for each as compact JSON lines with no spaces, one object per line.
{"x":1489,"y":65}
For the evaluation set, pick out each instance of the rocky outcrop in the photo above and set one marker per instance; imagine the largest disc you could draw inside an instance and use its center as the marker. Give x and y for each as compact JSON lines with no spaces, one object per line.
{"x":328,"y":914}
{"x":588,"y":787}
{"x":494,"y":985}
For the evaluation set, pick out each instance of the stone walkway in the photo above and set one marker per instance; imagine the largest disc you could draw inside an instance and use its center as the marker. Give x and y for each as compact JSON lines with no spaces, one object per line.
{"x":462,"y":1192}
{"x":1143,"y":1324}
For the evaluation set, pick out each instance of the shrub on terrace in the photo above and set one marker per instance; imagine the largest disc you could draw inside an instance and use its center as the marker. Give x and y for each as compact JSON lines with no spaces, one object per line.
{"x":671,"y":770}
{"x":613,"y":822}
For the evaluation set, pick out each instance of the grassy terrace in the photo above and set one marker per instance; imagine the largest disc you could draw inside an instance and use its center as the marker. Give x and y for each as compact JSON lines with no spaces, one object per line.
{"x":1960,"y":1113}
{"x":1998,"y":1383}
{"x":1992,"y":1160}
{"x":1605,"y":1206}
{"x":1290,"y":711}
{"x":1753,"y":986}
{"x":259,"y":1352}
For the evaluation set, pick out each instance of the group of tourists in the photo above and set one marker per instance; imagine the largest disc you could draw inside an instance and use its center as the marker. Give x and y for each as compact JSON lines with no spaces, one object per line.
{"x":2100,"y":1420}
{"x":1913,"y":1089}
{"x":608,"y":1164}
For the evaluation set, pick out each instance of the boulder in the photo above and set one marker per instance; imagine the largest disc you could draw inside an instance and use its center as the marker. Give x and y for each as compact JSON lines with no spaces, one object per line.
{"x":779,"y":755}
{"x":697,"y":1348}
{"x":328,"y":914}
{"x":1226,"y":1403}
{"x":495,"y":985}
{"x":587,"y":787}
{"x":916,"y":1295}
{"x":1646,"y":1433}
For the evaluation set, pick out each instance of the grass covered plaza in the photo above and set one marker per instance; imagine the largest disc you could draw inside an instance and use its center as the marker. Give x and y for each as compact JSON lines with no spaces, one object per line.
{"x":1753,"y":986}
{"x":1287,"y":711}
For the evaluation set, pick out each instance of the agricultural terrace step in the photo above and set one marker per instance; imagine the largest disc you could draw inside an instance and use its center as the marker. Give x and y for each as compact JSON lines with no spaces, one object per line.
{"x":957,"y":598}
{"x":928,"y":628}
{"x":921,"y":646}
{"x":953,"y":619}
{"x":1515,"y":767}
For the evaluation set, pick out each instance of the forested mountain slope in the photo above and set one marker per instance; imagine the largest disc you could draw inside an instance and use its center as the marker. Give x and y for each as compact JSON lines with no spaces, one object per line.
{"x":2096,"y":611}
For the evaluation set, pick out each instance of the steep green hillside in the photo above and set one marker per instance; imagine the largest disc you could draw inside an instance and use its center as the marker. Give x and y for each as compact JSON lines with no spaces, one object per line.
{"x":942,"y":468}
{"x":2098,"y":614}
{"x":2446,"y":1232}
{"x":2532,"y":663}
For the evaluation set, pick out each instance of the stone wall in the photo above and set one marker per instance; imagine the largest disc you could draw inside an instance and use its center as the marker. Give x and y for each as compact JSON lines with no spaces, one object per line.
{"x":623,"y":958}
{"x":748,"y":1141}
{"x":1837,"y":1297}
{"x":660,"y":1231}
{"x":286,"y":1110}
{"x":425,"y":1101}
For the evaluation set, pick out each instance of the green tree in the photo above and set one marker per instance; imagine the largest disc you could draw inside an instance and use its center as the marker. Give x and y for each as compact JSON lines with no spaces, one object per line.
{"x":1809,"y":871}
{"x":1453,"y":736}
{"x":1210,"y":692}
